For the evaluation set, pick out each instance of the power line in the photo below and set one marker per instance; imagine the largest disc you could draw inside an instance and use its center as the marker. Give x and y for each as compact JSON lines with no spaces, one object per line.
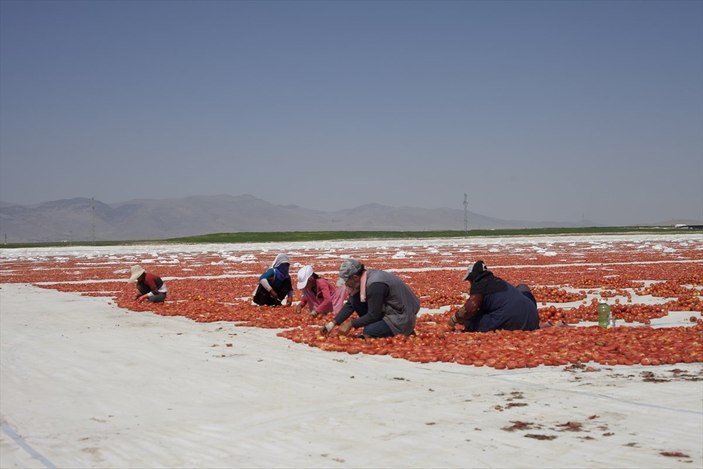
{"x":466,"y":213}
{"x":92,"y":220}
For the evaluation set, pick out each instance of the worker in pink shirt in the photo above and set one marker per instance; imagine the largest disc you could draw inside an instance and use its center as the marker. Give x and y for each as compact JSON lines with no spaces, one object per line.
{"x":319,"y":295}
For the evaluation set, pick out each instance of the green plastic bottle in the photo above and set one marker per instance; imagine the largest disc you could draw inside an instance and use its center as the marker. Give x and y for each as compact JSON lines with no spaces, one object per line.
{"x":603,"y":314}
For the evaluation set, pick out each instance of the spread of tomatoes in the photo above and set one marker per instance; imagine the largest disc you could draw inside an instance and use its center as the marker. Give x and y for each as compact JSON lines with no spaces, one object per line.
{"x":641,"y":280}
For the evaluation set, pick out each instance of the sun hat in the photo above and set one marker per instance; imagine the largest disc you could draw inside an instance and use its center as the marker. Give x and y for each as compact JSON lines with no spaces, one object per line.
{"x":472,"y":272}
{"x":304,"y":275}
{"x":348,"y":268}
{"x":137,"y":271}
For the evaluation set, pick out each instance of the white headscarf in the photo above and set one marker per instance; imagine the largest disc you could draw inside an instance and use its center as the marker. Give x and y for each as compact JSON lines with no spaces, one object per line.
{"x":280,"y":259}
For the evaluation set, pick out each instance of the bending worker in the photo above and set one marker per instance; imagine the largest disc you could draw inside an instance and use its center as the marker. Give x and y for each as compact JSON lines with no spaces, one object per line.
{"x":150,"y":286}
{"x":319,"y":295}
{"x":275,"y":286}
{"x":495,"y":304}
{"x":385,"y":305}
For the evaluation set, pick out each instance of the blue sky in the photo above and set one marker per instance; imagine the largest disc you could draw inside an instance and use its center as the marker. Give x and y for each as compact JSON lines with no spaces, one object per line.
{"x":554,"y":110}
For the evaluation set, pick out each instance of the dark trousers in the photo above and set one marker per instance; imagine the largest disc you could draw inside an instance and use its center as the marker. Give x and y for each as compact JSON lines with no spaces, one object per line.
{"x":156,"y":298}
{"x":378,"y":329}
{"x":263,"y":298}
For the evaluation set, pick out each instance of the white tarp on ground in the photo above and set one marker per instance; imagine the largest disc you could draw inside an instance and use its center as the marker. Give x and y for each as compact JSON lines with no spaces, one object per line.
{"x":86,"y":384}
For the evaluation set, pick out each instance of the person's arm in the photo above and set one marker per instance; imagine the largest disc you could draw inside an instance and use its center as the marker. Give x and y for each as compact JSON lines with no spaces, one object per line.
{"x":325,"y":290}
{"x":142,"y":287}
{"x":472,"y":305}
{"x":469,"y":309}
{"x":147,"y":285}
{"x":344,"y":313}
{"x":264,"y":281}
{"x":342,"y":316}
{"x":376,"y":295}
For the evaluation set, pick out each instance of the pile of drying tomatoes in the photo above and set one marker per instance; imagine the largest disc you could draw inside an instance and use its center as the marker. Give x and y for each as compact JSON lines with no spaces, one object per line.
{"x":218,"y":286}
{"x":521,"y":349}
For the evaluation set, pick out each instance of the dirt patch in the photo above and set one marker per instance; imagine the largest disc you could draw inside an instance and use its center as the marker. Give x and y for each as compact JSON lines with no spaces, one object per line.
{"x":570,"y":426}
{"x":540,"y":437}
{"x":674,"y":454}
{"x":515,"y":404}
{"x":520,"y":425}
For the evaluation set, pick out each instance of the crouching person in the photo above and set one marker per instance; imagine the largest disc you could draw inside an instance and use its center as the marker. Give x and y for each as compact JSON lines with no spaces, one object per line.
{"x":495,"y":304}
{"x":150,"y":286}
{"x":385,"y":305}
{"x":319,"y":295}
{"x":275,"y":286}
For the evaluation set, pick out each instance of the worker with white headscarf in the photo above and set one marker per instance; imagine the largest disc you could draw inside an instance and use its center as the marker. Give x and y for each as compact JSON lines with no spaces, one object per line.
{"x":275,"y":288}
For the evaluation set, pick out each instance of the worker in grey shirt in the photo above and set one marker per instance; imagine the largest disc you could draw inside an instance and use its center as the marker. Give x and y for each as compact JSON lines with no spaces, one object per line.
{"x":385,"y":305}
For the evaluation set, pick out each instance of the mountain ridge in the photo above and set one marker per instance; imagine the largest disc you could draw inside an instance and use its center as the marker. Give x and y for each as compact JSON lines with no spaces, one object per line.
{"x":85,"y":219}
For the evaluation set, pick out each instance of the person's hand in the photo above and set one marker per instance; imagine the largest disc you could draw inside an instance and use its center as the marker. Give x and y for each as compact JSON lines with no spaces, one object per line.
{"x":143,"y":297}
{"x":345,"y":327}
{"x":298,"y":308}
{"x":452,"y":321}
{"x":460,"y":313}
{"x":456,"y":317}
{"x":327,"y":328}
{"x":313,"y":313}
{"x":273,"y":293}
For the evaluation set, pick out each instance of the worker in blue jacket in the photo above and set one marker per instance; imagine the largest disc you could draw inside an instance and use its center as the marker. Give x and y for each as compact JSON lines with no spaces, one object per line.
{"x":275,"y":288}
{"x":495,"y":304}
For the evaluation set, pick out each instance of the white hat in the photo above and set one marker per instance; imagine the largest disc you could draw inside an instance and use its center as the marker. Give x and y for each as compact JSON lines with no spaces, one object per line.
{"x":304,"y":275}
{"x":137,"y":271}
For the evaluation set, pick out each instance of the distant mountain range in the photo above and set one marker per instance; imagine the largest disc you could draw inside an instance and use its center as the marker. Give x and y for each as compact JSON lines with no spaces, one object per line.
{"x":83,"y":219}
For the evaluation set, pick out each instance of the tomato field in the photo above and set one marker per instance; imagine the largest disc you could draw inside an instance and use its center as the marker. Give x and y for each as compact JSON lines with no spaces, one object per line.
{"x":643,"y":278}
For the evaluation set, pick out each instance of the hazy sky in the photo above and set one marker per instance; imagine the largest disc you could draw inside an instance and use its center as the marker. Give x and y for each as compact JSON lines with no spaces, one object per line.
{"x":538,"y":110}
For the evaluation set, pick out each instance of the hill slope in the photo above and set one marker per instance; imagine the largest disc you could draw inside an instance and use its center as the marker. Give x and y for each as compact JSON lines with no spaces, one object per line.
{"x":82,"y":219}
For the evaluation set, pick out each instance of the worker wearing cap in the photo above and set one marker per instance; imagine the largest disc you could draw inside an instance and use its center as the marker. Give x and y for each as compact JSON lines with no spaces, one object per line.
{"x":385,"y":305}
{"x":495,"y":304}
